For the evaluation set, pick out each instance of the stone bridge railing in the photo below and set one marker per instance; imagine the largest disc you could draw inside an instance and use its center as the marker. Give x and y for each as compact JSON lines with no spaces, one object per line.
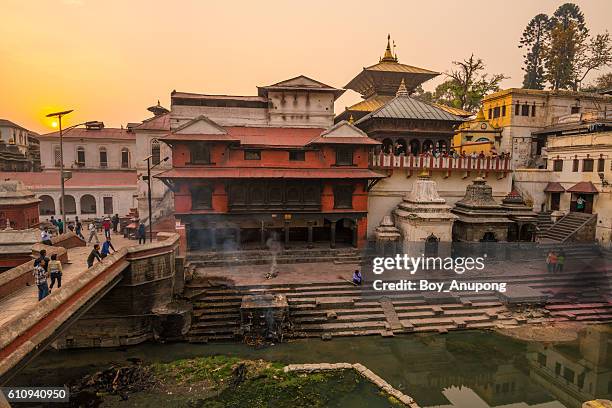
{"x":31,"y":331}
{"x":383,"y":161}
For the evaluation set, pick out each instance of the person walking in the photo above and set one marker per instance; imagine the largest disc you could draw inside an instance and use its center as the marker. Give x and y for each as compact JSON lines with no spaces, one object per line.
{"x":78,"y":228}
{"x":142,"y":237}
{"x":93,"y":233}
{"x":53,"y":221}
{"x":93,"y":255}
{"x":106,"y":225}
{"x":40,"y":279}
{"x":43,"y":260}
{"x":115,"y":221}
{"x":551,"y":261}
{"x":55,"y":270}
{"x":60,"y":226}
{"x":106,"y":247}
{"x":560,"y":261}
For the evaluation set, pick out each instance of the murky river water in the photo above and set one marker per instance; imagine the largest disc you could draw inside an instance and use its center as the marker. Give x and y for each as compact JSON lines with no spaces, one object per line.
{"x":461,"y":369}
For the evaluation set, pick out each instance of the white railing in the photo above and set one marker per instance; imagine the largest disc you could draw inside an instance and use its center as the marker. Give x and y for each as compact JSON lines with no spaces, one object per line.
{"x":389,"y":161}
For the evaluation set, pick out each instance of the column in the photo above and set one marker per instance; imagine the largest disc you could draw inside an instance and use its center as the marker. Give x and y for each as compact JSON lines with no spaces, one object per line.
{"x":332,"y":234}
{"x":310,"y":234}
{"x":286,"y":235}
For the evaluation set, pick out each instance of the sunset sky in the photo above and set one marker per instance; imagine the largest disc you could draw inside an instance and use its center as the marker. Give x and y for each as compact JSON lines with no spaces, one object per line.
{"x":109,"y":60}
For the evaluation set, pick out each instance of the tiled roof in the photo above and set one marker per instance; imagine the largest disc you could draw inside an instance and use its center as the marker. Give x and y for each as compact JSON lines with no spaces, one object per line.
{"x":406,"y":107}
{"x":268,"y":172}
{"x":454,"y":111}
{"x":586,"y":187}
{"x":83,"y":133}
{"x":371,"y":104}
{"x":190,"y":95}
{"x":161,"y":122}
{"x":256,"y":136}
{"x":397,"y":67}
{"x":97,"y":179}
{"x":554,"y":187}
{"x":300,"y":83}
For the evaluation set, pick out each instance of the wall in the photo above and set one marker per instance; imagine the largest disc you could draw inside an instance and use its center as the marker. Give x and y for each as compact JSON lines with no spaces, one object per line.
{"x":308,"y":109}
{"x":18,"y":135}
{"x":123,"y":199}
{"x":20,"y":216}
{"x":92,"y":153}
{"x":387,"y":193}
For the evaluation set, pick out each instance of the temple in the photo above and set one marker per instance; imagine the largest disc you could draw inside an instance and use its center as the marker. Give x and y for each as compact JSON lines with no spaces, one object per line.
{"x":247,"y":169}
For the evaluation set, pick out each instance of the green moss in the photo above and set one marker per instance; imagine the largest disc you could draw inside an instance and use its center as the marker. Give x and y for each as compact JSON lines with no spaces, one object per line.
{"x":215,"y":368}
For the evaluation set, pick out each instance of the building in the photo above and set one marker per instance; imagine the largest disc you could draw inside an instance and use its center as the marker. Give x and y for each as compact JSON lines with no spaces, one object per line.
{"x":148,"y":144}
{"x":476,"y":136}
{"x":578,"y":174}
{"x":19,"y":149}
{"x":101,"y":173}
{"x":523,"y":112}
{"x":250,"y":168}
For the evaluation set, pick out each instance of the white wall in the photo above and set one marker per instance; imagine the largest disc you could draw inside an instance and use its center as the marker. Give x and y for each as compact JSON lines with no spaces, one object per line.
{"x":92,"y":153}
{"x":123,"y":200}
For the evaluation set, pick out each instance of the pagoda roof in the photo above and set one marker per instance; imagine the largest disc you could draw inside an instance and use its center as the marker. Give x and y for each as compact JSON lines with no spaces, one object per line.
{"x":299,"y":83}
{"x":268,"y":172}
{"x":407,"y":107}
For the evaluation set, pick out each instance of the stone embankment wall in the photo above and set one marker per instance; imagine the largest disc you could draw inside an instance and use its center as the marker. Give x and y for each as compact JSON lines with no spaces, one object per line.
{"x":141,"y":306}
{"x":361,"y":370}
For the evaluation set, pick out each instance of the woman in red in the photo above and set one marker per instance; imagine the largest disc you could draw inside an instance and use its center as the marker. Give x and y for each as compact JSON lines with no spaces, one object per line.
{"x":106,"y":225}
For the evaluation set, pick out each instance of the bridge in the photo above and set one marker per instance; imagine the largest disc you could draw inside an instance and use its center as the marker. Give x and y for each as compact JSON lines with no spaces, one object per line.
{"x":28,"y":327}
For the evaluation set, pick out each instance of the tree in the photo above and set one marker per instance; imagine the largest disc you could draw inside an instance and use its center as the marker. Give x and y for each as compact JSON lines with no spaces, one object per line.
{"x":534,"y":40}
{"x":466,"y":86}
{"x":602,"y":83}
{"x":567,"y":42}
{"x":598,"y":55}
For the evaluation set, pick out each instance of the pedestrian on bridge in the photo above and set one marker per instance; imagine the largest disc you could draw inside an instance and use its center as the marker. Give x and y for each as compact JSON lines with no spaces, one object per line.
{"x":551,"y":261}
{"x":142,"y":237}
{"x":55,"y":270}
{"x":93,"y":233}
{"x":40,"y":278}
{"x":106,"y":225}
{"x":106,"y":247}
{"x":93,"y":255}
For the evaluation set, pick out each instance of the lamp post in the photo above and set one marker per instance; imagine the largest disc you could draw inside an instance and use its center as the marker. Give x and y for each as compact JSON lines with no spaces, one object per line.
{"x":149,"y":168}
{"x":59,"y":116}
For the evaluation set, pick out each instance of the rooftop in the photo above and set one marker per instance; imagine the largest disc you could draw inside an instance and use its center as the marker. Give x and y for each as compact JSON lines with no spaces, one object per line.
{"x":299,"y":83}
{"x":407,"y":107}
{"x":51,"y":179}
{"x":268,"y":172}
{"x":83,"y":133}
{"x":161,"y":122}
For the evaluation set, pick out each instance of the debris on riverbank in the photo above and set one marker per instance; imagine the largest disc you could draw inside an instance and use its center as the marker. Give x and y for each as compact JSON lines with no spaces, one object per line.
{"x":556,"y":332}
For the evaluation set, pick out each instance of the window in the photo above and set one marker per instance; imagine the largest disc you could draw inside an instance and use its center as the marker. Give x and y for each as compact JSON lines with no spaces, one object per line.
{"x":252,"y":155}
{"x":575,"y":109}
{"x":575,"y":165}
{"x":57,"y":156}
{"x":107,"y":203}
{"x":557,"y":165}
{"x":601,"y":164}
{"x":155,"y":152}
{"x":344,"y":156}
{"x":200,"y":154}
{"x":517,"y":109}
{"x":80,"y":156}
{"x":533,"y":110}
{"x":587,"y":165}
{"x":125,"y":158}
{"x":503,"y":113}
{"x":568,"y":374}
{"x":201,"y":198}
{"x":103,"y":157}
{"x":343,"y":197}
{"x":297,"y":155}
{"x":542,"y":359}
{"x":525,"y":110}
{"x":496,"y":111}
{"x":557,"y":368}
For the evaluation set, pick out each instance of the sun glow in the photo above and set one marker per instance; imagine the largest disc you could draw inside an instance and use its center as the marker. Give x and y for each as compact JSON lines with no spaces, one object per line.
{"x":53,"y":124}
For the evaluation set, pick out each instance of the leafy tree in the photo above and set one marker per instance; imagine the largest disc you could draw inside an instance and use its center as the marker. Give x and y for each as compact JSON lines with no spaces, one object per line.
{"x":598,"y":54}
{"x":602,"y":83}
{"x":534,"y":40}
{"x":567,"y":42}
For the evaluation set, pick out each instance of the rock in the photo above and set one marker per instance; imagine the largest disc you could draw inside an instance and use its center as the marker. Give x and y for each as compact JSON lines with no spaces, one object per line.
{"x":326,"y":336}
{"x":332,"y":315}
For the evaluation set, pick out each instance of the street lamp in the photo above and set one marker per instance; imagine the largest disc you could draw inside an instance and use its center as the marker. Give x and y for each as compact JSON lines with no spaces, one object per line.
{"x":59,"y":116}
{"x":149,"y":168}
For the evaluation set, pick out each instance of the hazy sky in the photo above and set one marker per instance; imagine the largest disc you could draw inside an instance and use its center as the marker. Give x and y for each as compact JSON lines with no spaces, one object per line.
{"x":111,"y":59}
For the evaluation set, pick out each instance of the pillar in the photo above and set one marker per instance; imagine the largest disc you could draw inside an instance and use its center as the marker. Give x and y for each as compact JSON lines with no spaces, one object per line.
{"x":332,"y":234}
{"x":310,"y":234}
{"x":286,"y":235}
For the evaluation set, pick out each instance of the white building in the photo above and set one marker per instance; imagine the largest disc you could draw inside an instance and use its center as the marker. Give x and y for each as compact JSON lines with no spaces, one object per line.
{"x":12,"y":133}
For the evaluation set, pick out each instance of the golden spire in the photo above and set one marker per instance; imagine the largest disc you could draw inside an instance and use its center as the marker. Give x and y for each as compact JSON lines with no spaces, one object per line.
{"x":480,"y":116}
{"x":402,"y":90}
{"x":351,"y":119}
{"x":388,"y":57}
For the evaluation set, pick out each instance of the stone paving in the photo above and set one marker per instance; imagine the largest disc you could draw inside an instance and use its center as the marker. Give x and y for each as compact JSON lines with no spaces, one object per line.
{"x":27,"y":297}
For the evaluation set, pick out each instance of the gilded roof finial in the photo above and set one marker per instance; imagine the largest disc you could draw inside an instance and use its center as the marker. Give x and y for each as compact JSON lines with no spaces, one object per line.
{"x":351,"y":119}
{"x":480,"y":115}
{"x":402,"y":90}
{"x":388,"y":54}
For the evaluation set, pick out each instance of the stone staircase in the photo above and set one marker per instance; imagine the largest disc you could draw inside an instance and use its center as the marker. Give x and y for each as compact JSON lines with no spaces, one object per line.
{"x":567,"y":226}
{"x":262,"y":257}
{"x":544,"y":221}
{"x":340,"y":309}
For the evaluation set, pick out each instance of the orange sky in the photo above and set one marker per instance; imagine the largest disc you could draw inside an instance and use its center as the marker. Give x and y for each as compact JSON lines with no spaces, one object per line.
{"x":111,"y":59}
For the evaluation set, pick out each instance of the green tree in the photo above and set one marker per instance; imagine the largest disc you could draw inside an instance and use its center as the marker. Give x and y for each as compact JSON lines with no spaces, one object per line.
{"x":601,"y":83}
{"x":534,"y":40}
{"x":567,"y":42}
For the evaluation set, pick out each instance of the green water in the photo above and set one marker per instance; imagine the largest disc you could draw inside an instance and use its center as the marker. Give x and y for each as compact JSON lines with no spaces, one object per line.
{"x":460,"y":369}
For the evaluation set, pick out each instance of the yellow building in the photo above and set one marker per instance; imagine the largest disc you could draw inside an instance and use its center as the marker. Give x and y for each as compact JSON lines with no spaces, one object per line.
{"x":477,"y":135}
{"x":521,"y":112}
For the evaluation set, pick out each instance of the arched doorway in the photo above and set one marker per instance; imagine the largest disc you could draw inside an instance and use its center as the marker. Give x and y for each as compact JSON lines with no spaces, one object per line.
{"x":387,"y":146}
{"x":346,"y":232}
{"x":88,"y":204}
{"x":400,"y":147}
{"x":428,"y":146}
{"x":70,"y":204}
{"x":47,"y":205}
{"x":415,"y":147}
{"x":488,"y":237}
{"x":431,"y":245}
{"x":527,"y":232}
{"x":513,"y":233}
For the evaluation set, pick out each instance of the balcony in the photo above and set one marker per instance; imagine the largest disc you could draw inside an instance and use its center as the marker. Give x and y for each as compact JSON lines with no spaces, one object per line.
{"x":447,"y":165}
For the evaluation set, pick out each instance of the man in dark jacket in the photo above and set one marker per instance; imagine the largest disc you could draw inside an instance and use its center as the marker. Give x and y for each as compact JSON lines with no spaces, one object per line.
{"x":93,"y":255}
{"x":142,"y":238}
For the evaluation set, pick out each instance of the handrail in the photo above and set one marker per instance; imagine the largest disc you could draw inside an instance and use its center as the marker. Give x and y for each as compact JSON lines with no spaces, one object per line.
{"x":392,"y":161}
{"x":579,"y":227}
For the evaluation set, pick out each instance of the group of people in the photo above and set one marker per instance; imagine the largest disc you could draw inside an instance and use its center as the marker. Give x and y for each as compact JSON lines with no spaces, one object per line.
{"x":45,"y":268}
{"x":400,"y":150}
{"x":555,"y":261}
{"x":108,"y":224}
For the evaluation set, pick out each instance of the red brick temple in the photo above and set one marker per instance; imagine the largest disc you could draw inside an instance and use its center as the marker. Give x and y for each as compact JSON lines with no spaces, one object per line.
{"x":247,"y":169}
